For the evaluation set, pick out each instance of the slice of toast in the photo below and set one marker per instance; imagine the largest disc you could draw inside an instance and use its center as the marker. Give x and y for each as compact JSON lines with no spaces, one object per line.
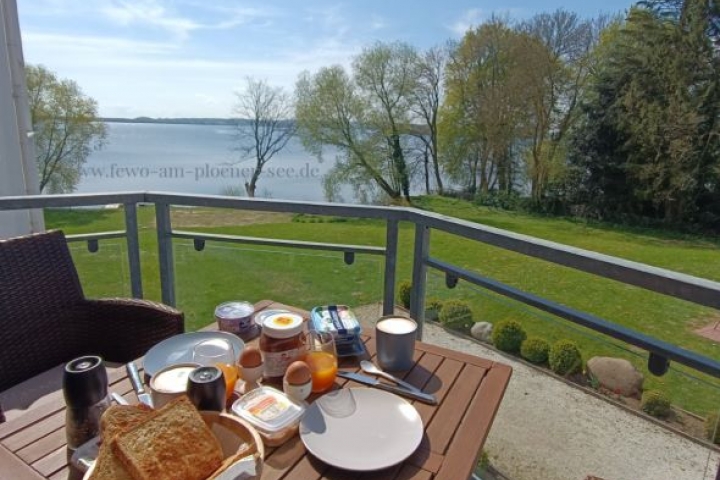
{"x":171,"y":443}
{"x":116,"y":419}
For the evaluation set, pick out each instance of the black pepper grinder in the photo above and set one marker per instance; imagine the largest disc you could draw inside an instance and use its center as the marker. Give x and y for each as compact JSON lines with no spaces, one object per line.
{"x":85,"y":387}
{"x":206,"y":388}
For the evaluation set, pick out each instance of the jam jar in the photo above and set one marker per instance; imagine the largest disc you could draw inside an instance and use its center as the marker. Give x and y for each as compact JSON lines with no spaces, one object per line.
{"x":281,"y":343}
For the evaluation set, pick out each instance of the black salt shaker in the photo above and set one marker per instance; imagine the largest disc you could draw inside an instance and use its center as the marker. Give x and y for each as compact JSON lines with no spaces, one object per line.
{"x":85,"y":387}
{"x":206,"y":388}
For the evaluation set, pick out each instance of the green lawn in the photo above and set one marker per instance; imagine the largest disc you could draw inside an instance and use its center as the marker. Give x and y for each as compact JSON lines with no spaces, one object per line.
{"x":222,"y":272}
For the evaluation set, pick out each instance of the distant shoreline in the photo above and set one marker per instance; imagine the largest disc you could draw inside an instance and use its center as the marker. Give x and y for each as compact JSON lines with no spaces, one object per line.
{"x":178,"y":121}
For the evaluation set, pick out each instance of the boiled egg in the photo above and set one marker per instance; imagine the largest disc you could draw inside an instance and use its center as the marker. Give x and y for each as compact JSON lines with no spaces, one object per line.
{"x":298,"y":373}
{"x":250,"y":357}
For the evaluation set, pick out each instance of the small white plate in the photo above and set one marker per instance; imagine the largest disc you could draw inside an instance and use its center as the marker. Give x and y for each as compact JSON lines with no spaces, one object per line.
{"x":361,"y":429}
{"x":179,"y":349}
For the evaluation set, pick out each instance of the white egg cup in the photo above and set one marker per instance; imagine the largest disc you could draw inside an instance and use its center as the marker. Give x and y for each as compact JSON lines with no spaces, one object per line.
{"x":250,"y":377}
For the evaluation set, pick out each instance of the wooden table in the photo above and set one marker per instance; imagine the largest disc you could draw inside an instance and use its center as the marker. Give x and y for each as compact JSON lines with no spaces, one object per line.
{"x":469,"y":390}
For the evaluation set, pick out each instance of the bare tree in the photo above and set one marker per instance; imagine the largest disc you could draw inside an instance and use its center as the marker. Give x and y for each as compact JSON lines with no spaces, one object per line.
{"x":427,"y":98}
{"x":270,"y":127}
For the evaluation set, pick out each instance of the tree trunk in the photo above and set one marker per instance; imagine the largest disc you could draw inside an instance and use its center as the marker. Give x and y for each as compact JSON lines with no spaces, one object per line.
{"x":400,"y":166}
{"x":427,"y":171}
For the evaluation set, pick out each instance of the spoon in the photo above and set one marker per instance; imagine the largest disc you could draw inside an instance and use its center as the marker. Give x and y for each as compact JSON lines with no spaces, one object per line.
{"x":369,"y":367}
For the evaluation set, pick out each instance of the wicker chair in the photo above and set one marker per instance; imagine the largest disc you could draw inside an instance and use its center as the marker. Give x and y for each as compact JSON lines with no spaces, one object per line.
{"x":45,"y":319}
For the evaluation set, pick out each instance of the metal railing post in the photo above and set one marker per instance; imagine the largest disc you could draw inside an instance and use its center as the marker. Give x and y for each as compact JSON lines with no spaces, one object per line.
{"x":391,"y":246}
{"x":133,"y":246}
{"x":165,"y":253}
{"x":420,"y":257}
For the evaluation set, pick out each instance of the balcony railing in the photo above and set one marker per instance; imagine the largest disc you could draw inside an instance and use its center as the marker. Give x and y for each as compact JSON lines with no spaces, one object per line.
{"x":660,"y":353}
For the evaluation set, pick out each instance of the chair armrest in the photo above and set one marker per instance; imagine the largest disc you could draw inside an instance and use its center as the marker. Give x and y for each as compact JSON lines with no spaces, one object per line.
{"x":123,"y":329}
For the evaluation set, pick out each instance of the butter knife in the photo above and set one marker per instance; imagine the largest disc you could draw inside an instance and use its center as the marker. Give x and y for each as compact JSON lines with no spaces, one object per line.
{"x":143,"y":396}
{"x":374,"y":382}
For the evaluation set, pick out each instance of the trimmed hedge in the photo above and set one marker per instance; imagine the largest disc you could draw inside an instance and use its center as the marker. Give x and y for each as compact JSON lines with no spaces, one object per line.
{"x":456,"y":315}
{"x":508,"y":336}
{"x":535,"y":350}
{"x":565,"y":358}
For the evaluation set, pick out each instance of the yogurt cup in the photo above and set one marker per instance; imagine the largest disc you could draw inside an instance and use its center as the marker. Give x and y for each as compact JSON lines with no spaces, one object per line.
{"x":237,"y":317}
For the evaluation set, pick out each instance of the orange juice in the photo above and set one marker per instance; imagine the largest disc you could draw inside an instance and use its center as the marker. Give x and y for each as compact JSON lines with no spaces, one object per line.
{"x":230,"y":373}
{"x":323,"y":369}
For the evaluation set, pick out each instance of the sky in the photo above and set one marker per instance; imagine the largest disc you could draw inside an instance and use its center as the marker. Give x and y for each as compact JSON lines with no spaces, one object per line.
{"x":189,"y":58}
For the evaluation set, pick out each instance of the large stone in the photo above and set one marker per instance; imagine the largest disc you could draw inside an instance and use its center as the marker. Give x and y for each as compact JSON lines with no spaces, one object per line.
{"x":617,"y":375}
{"x":482,"y":331}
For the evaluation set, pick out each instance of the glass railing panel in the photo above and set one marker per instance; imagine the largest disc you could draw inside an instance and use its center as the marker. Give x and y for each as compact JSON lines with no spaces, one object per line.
{"x":681,"y":323}
{"x":580,"y":424}
{"x":302,"y":278}
{"x":104,"y":273}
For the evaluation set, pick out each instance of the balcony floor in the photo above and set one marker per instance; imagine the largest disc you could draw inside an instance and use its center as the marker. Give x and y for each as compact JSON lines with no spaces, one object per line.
{"x":546,"y":429}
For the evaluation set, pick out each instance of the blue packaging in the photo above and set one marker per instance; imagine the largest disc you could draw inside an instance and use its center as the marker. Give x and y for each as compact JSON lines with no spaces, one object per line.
{"x":338,"y":320}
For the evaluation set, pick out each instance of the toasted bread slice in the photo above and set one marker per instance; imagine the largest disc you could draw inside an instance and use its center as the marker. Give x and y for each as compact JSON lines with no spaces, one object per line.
{"x":116,"y":419}
{"x":173,"y":442}
{"x":121,"y":417}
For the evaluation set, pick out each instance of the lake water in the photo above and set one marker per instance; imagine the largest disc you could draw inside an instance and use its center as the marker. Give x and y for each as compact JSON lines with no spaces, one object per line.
{"x":197,"y":159}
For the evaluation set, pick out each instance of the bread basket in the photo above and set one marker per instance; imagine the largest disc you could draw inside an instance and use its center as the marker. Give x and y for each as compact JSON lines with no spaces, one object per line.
{"x":237,"y":438}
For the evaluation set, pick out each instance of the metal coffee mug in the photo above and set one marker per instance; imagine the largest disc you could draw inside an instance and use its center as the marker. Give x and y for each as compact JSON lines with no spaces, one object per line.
{"x":206,"y":388}
{"x":395,"y":342}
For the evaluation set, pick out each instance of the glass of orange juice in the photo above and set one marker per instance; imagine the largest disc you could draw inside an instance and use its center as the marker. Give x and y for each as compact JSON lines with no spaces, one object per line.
{"x":321,"y":357}
{"x":220,"y":353}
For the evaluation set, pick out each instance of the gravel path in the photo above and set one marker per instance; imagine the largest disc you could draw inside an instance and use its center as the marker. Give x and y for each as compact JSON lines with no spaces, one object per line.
{"x":548,"y":430}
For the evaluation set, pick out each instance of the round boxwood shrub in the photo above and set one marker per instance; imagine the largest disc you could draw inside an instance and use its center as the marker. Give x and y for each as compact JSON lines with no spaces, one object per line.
{"x":565,"y":358}
{"x":655,"y":403}
{"x":712,"y":430}
{"x":404,"y":291}
{"x":508,"y":336}
{"x":535,"y":350}
{"x":456,"y":315}
{"x":432,"y":309}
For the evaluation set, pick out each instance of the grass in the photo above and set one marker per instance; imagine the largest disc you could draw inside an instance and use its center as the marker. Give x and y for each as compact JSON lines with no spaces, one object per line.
{"x":222,"y":272}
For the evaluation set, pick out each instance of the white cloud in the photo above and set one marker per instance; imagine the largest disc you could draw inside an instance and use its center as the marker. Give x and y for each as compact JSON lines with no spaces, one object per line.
{"x":467,"y":21}
{"x":155,"y":13}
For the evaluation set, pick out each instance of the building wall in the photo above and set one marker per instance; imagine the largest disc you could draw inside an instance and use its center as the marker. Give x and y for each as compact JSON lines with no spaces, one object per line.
{"x":18,"y":174}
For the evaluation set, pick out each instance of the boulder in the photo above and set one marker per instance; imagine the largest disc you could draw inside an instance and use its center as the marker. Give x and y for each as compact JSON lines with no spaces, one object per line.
{"x":617,"y":375}
{"x":482,"y":331}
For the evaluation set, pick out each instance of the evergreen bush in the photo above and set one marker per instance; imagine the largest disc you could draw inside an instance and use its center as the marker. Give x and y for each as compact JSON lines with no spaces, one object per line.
{"x":456,"y":315}
{"x":404,"y":291}
{"x":432,"y":309}
{"x":655,"y":403}
{"x":565,"y":358}
{"x":508,"y":336}
{"x":535,"y":350}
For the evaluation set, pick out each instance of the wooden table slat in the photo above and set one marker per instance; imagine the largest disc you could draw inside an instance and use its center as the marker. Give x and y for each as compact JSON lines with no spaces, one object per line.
{"x":445,"y":422}
{"x":50,"y":464}
{"x":11,"y":467}
{"x":477,"y":421}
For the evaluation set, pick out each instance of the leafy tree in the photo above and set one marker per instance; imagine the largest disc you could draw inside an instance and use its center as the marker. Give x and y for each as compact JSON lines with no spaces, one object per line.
{"x":66,"y":128}
{"x":560,"y":68}
{"x":269,"y":111}
{"x":366,"y":117}
{"x":484,"y":112}
{"x":657,"y":93}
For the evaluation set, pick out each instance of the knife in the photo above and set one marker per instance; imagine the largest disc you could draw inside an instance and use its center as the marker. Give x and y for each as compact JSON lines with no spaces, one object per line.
{"x":143,"y":396}
{"x":374,"y":382}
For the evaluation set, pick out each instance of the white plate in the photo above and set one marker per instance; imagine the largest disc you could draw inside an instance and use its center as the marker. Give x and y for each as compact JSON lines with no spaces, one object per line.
{"x":361,"y":429}
{"x":179,"y":349}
